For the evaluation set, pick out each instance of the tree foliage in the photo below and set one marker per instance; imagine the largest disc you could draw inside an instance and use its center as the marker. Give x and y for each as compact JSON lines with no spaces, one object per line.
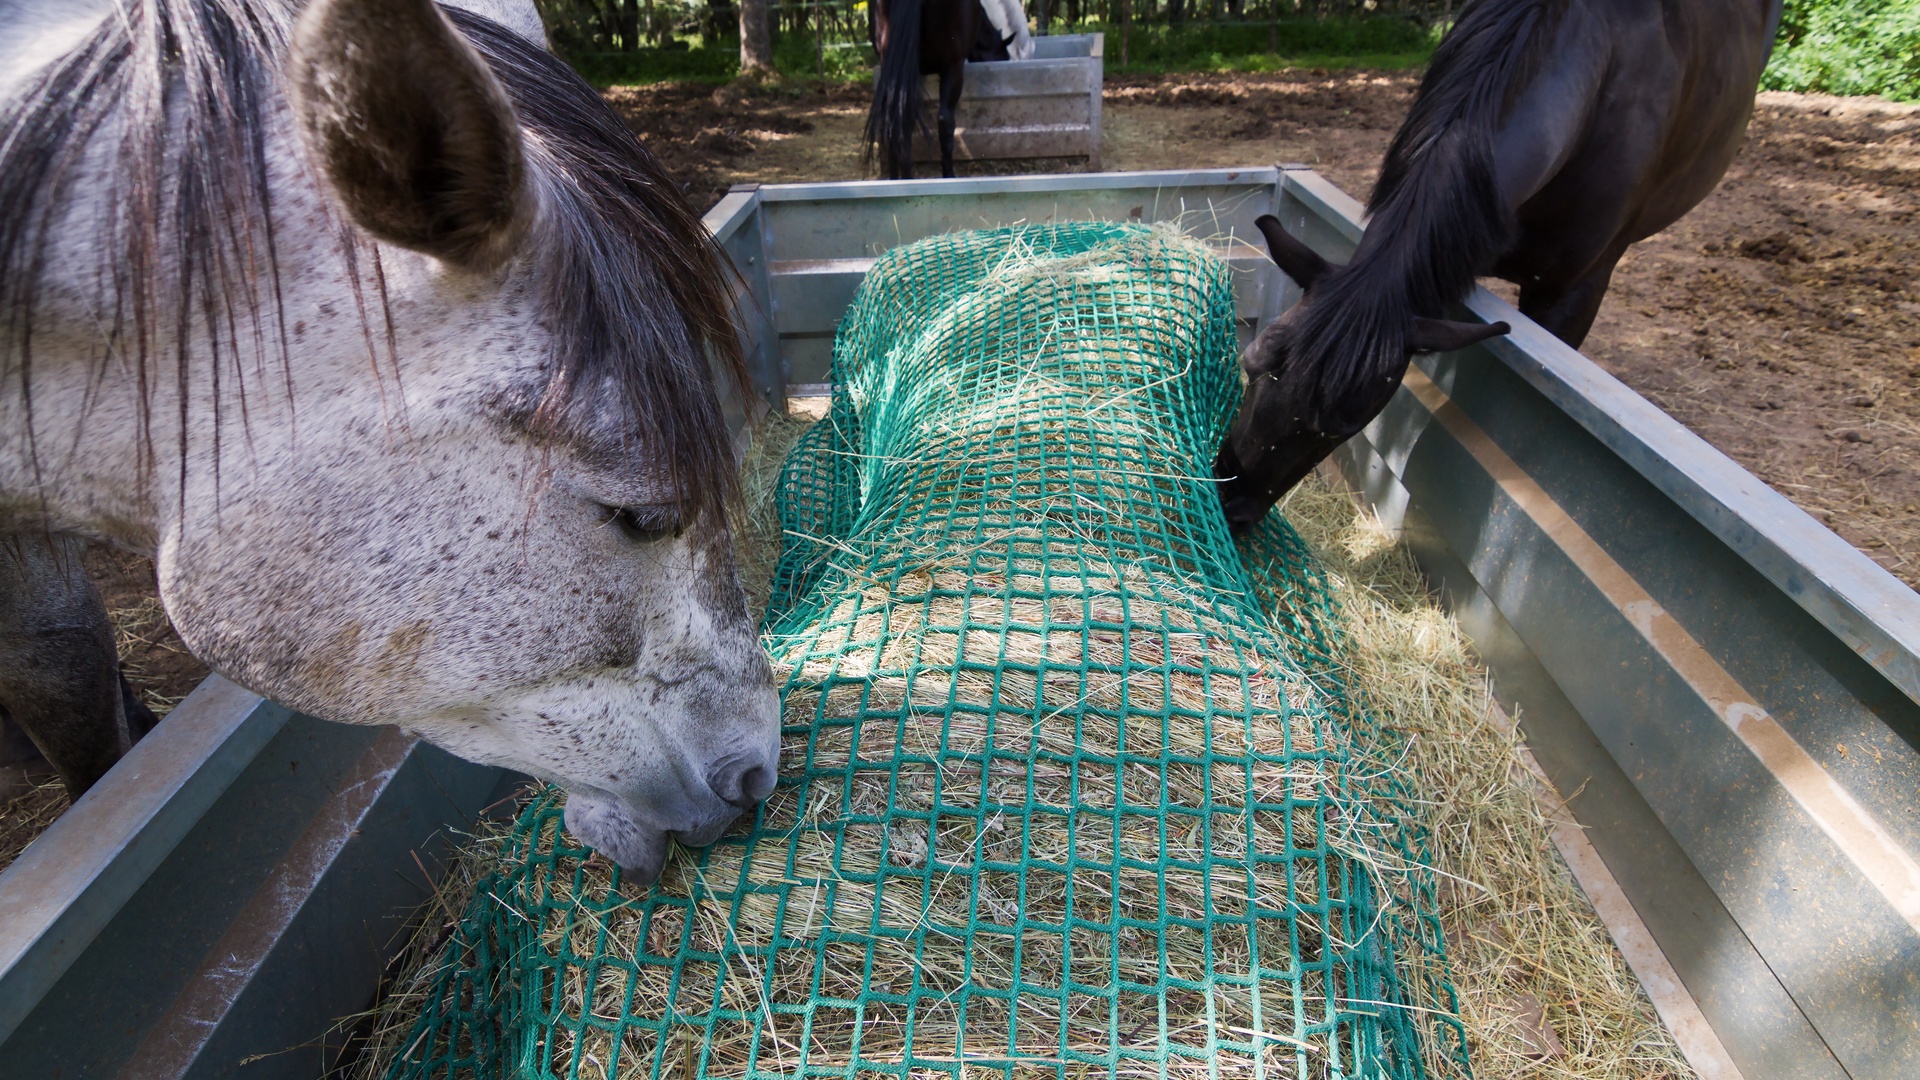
{"x":1848,"y":47}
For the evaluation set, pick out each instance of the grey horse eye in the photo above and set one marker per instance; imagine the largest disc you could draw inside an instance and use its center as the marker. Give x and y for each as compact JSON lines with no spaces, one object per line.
{"x":645,"y":524}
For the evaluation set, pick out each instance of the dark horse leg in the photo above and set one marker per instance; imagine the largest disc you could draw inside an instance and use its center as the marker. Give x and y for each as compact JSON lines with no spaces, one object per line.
{"x":60,"y":678}
{"x":951,"y":80}
{"x":1569,"y":313}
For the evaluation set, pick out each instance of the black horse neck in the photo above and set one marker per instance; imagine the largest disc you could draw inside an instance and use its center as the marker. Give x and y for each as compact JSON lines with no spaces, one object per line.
{"x":1438,"y":216}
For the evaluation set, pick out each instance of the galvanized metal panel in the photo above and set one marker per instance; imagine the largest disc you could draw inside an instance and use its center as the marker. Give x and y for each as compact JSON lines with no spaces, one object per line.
{"x":1852,"y":596}
{"x":268,"y":922}
{"x":1063,"y":78}
{"x":1065,"y":46}
{"x":1826,"y":698}
{"x":1743,"y":1001}
{"x":1837,"y":945}
{"x":807,"y":360}
{"x":309,"y":959}
{"x":74,"y":879}
{"x":821,"y":238}
{"x":849,"y":221}
{"x":1770,"y":867}
{"x":734,"y":223}
{"x":810,"y":296}
{"x":1045,"y":106}
{"x":90,"y":1021}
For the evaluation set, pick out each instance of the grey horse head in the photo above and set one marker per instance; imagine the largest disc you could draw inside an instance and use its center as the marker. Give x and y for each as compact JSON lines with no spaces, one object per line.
{"x":387,"y":341}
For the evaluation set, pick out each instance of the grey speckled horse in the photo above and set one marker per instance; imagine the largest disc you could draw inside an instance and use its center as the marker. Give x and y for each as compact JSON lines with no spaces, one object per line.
{"x":1547,"y":137}
{"x":389,"y":344}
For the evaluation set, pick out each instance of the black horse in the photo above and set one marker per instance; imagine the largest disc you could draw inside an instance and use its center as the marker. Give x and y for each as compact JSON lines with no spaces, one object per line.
{"x":916,"y":38}
{"x":1547,"y":137}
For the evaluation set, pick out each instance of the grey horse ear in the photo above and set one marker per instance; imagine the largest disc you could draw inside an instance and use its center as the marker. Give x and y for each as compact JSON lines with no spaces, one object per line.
{"x":1444,"y":335}
{"x":411,"y":129}
{"x":1295,"y":259}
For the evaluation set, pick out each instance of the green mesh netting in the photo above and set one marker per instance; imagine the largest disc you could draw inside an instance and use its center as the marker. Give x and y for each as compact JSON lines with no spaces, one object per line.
{"x":1070,"y":787}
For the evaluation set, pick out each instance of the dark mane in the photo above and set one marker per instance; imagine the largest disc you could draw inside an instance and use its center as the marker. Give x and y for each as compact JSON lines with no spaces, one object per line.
{"x":638,"y":290}
{"x":635,"y":293}
{"x":1437,"y":214}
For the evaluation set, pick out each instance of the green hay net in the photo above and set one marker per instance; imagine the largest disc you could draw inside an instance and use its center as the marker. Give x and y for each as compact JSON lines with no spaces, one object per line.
{"x":1071,"y":786}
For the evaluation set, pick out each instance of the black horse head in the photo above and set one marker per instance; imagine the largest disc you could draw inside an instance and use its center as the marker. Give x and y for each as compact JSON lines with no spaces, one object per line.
{"x":1319,"y":373}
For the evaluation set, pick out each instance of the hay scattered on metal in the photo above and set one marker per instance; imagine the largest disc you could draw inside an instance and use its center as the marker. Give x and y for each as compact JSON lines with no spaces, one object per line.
{"x":1519,"y":931}
{"x":142,"y":634}
{"x":756,"y":529}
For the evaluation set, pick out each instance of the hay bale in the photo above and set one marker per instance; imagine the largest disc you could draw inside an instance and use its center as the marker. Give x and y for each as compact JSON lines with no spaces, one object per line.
{"x":1515,"y":921}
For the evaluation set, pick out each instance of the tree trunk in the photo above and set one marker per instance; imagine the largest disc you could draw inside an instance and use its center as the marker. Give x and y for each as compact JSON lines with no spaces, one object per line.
{"x":1176,"y":12}
{"x":756,"y":36}
{"x":629,"y":25}
{"x":819,"y":40}
{"x":721,"y":17}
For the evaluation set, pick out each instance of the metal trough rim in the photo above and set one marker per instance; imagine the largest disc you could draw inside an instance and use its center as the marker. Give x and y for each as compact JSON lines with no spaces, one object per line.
{"x":60,"y":894}
{"x":75,"y":877}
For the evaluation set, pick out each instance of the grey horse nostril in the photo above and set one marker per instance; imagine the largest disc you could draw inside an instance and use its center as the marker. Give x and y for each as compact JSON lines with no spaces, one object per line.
{"x":757,"y":783}
{"x":743,"y":787}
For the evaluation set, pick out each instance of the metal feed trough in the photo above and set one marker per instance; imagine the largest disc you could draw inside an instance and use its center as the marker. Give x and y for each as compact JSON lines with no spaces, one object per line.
{"x":1686,"y":651}
{"x":1045,"y":106}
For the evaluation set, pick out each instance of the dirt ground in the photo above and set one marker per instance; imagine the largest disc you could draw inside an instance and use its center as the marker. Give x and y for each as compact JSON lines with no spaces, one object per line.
{"x":1780,"y":319}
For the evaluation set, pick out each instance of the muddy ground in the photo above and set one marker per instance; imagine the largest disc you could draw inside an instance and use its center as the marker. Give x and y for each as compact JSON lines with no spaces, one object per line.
{"x":1780,"y":320}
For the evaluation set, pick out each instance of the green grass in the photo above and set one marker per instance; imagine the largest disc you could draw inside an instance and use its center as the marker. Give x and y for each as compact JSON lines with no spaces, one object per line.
{"x":716,"y":63}
{"x":1385,"y":43}
{"x":1834,"y":46}
{"x":793,"y":57}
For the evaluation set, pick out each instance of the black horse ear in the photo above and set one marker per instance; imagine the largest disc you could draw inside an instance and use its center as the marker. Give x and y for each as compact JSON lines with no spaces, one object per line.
{"x":1445,"y":335}
{"x":1295,"y":259}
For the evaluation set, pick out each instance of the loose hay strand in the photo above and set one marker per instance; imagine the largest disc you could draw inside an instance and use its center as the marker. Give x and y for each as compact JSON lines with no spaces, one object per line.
{"x":1517,"y":924}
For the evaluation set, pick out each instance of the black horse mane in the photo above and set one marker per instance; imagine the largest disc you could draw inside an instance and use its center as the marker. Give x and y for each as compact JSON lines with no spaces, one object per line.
{"x":1436,"y":212}
{"x":637,"y":295}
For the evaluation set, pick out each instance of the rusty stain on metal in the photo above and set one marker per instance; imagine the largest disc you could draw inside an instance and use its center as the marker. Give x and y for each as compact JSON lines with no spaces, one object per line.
{"x":1862,"y":839}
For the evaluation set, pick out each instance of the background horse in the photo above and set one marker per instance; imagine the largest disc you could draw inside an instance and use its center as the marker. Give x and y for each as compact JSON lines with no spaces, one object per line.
{"x":379,"y":332}
{"x":1003,"y":33}
{"x":917,"y":38}
{"x":1546,"y":137}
